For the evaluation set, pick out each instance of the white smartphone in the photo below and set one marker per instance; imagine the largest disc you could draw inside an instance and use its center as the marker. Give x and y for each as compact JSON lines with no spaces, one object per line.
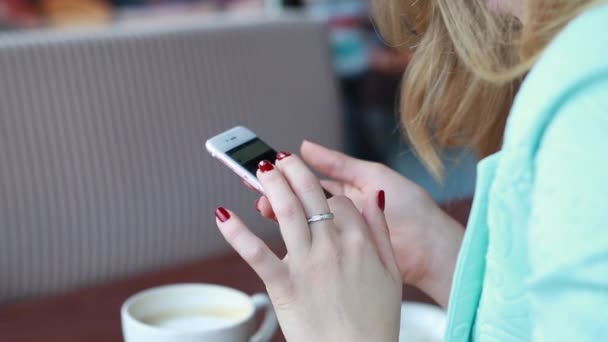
{"x":241,"y":150}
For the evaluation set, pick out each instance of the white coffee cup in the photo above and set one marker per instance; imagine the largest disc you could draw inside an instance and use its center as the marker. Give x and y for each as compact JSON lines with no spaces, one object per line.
{"x":195,"y":313}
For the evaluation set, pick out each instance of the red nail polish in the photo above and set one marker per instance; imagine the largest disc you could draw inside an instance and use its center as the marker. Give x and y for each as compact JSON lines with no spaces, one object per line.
{"x":282,"y":155}
{"x":222,"y":214}
{"x":265,"y":166}
{"x":381,"y":200}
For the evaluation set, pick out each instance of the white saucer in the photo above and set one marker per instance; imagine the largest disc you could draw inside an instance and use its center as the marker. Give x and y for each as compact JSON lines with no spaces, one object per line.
{"x":421,"y":323}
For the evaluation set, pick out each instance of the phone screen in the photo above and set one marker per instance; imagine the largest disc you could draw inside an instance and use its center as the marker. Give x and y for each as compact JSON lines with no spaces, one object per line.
{"x":250,"y":153}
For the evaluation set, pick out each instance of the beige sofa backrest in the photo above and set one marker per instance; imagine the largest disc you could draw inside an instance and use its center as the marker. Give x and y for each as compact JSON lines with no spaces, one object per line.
{"x":102,"y":166}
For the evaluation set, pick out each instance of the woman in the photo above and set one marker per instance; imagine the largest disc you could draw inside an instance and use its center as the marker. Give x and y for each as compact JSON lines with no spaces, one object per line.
{"x":533,"y":264}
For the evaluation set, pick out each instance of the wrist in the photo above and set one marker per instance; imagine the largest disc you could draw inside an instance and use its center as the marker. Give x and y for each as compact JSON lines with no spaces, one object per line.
{"x":445,"y":239}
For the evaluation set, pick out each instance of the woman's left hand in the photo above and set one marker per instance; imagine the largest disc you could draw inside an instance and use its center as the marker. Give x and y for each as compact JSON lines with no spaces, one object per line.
{"x":340,"y":281}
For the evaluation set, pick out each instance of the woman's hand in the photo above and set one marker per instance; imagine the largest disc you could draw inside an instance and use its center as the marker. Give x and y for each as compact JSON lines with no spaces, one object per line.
{"x":425,"y":240}
{"x":340,"y":281}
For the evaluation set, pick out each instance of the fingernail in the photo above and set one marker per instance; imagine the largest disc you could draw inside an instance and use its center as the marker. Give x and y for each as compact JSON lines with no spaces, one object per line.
{"x":265,"y":166}
{"x":282,"y":155}
{"x":381,"y":200}
{"x":257,"y":203}
{"x":222,"y":214}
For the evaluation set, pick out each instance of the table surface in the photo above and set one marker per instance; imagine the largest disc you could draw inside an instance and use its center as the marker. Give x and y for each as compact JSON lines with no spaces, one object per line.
{"x":92,"y":314}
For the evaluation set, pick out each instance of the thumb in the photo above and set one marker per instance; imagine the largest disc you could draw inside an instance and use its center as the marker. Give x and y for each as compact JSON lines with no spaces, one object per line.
{"x":334,"y":164}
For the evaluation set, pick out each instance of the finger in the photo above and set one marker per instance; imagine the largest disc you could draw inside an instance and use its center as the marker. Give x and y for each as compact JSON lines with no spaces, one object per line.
{"x":335,"y":188}
{"x":306,"y":186}
{"x":373,"y":213}
{"x":347,"y":218}
{"x":263,"y":206}
{"x":253,"y":250}
{"x":287,"y":209}
{"x":334,"y":164}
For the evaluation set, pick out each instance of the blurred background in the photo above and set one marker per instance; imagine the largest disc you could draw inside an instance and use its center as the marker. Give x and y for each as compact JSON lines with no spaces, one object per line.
{"x":368,"y":72}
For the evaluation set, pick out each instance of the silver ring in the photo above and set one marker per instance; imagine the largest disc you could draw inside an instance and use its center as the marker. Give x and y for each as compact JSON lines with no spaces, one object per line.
{"x":321,"y":217}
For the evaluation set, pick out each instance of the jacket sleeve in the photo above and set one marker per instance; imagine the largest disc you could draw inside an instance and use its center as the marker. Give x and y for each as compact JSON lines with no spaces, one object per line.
{"x":568,"y":228}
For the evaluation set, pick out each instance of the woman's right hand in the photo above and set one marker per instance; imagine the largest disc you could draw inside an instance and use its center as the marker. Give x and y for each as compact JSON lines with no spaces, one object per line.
{"x":425,"y":240}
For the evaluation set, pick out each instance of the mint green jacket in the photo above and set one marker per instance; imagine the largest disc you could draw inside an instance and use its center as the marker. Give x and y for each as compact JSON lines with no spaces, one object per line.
{"x":534,"y":260}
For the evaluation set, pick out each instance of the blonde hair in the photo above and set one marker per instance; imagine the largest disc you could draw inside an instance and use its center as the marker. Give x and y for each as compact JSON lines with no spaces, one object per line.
{"x":467,"y":65}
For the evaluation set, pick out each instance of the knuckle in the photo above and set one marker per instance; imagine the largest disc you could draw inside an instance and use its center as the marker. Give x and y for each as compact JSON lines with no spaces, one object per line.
{"x":306,"y":181}
{"x":256,"y":254}
{"x":356,"y":239}
{"x":308,"y":184}
{"x":286,"y":211}
{"x":232,"y":232}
